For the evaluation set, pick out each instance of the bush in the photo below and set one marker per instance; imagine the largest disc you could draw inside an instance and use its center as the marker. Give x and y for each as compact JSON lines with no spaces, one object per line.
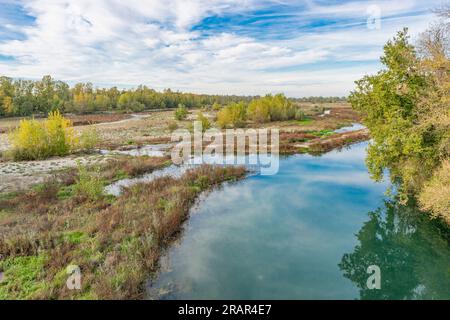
{"x":173,"y":126}
{"x":299,"y":115}
{"x":136,"y":106}
{"x":206,"y":124}
{"x":34,"y":140}
{"x":89,"y":139}
{"x":233,"y":115}
{"x":89,"y":184}
{"x":181,"y":112}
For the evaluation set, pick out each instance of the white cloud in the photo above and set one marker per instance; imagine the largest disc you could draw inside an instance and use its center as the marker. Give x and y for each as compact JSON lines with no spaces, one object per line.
{"x":152,"y":42}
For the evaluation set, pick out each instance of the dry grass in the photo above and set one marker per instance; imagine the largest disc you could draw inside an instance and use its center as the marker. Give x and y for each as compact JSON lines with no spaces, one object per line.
{"x":116,"y":242}
{"x":338,"y":140}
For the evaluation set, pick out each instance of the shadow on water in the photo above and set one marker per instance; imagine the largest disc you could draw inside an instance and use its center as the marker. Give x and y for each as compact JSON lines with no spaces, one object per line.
{"x":412,"y":253}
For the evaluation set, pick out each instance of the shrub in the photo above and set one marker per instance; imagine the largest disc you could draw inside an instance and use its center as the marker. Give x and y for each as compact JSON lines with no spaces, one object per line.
{"x":181,"y":112}
{"x":206,"y":124}
{"x":136,"y":106}
{"x":173,"y":126}
{"x":88,"y":184}
{"x":39,"y":140}
{"x":89,"y":139}
{"x":233,"y":115}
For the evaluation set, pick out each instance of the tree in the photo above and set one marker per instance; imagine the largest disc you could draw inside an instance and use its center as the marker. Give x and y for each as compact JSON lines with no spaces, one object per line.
{"x":233,"y":115}
{"x":271,"y":108}
{"x":389,"y":102}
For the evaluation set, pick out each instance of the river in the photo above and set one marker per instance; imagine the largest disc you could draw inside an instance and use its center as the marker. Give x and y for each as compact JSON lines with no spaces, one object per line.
{"x":308,"y":232}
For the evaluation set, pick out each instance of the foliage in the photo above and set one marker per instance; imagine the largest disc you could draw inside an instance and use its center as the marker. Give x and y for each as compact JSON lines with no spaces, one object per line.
{"x":233,"y":115}
{"x":89,"y":138}
{"x":89,"y":184}
{"x":21,"y":277}
{"x":405,"y":106}
{"x":271,"y":108}
{"x":216,"y":106}
{"x":26,"y":97}
{"x":206,"y":124}
{"x":172,"y":126}
{"x":435,"y":196}
{"x":41,"y":139}
{"x":181,"y":112}
{"x":299,"y":115}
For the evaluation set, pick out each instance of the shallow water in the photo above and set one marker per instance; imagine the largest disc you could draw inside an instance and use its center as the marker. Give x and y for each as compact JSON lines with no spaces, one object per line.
{"x":308,"y":232}
{"x":353,"y":127}
{"x":151,"y":150}
{"x":252,"y":162}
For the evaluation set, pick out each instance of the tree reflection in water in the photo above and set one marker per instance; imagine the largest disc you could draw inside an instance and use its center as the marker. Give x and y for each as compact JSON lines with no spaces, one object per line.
{"x":412,"y":252}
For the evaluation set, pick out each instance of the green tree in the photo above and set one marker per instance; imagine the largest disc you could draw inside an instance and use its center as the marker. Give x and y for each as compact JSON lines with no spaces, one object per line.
{"x":391,"y":102}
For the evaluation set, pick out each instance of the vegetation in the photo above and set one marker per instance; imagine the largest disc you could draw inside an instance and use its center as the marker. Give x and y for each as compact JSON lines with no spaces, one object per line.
{"x":41,"y":139}
{"x":206,"y":124}
{"x":181,"y":112}
{"x":89,"y":138}
{"x":26,"y":97}
{"x":406,"y":108}
{"x":116,"y":243}
{"x":55,"y":136}
{"x":436,"y":193}
{"x":89,"y":184}
{"x":271,"y":108}
{"x":259,"y":110}
{"x":232,"y":115}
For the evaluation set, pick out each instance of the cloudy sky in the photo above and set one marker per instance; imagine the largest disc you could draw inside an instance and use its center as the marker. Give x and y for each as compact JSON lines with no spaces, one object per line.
{"x":301,"y":48}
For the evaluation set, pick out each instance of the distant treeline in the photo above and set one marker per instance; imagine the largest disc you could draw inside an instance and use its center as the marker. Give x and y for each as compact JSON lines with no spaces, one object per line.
{"x":320,"y":99}
{"x":25,"y":97}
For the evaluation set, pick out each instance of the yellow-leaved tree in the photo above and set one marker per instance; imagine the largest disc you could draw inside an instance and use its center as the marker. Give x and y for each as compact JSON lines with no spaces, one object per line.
{"x":35,"y":139}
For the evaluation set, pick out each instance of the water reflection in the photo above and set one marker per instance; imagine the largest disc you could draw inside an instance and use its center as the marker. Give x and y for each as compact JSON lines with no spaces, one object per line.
{"x":284,"y":237}
{"x":411,"y":251}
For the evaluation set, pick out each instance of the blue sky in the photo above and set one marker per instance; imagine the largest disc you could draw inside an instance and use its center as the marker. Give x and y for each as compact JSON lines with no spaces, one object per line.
{"x":301,"y":48}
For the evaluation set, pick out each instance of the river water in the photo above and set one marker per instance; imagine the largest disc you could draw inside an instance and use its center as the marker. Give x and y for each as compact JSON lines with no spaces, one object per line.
{"x":308,"y":232}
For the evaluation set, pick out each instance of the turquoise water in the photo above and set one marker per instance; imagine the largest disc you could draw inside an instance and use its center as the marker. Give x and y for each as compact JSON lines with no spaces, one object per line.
{"x":309,"y":232}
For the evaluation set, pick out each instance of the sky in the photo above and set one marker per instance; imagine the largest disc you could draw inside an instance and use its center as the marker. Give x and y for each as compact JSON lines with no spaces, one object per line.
{"x":247,"y":47}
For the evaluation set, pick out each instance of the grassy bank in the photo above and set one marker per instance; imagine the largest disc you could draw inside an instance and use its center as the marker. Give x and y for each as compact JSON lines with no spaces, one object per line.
{"x":116,"y":242}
